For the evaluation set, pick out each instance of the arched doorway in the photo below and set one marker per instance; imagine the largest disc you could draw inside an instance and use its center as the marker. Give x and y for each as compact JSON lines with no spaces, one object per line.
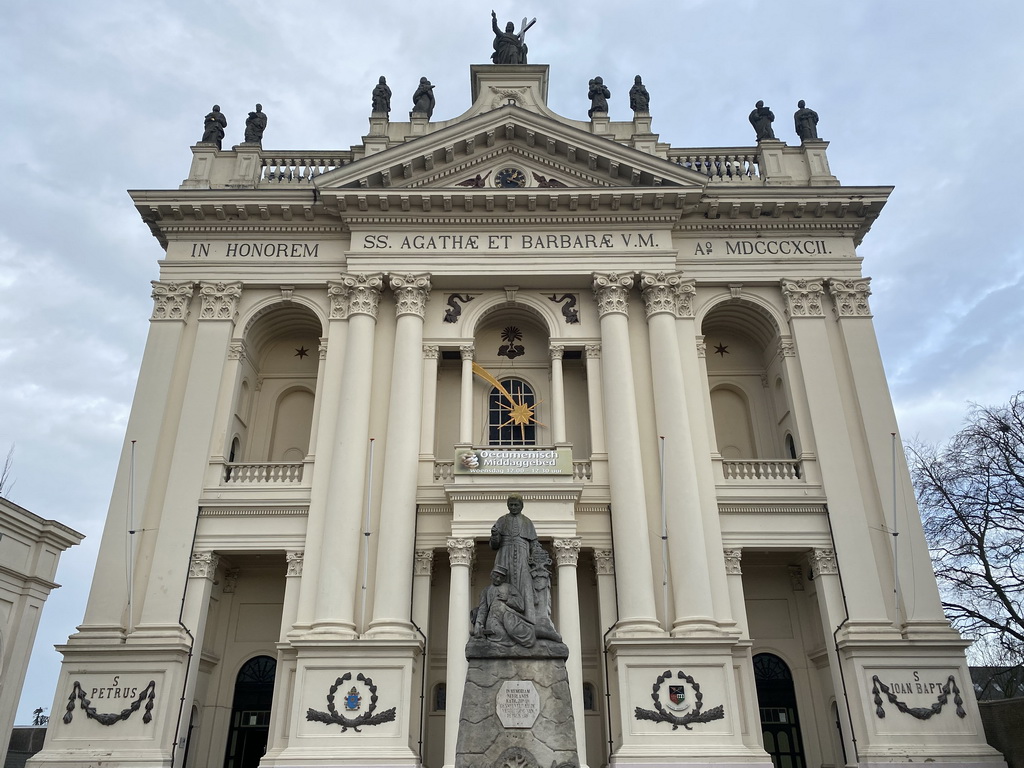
{"x":776,"y":700}
{"x":250,"y":713}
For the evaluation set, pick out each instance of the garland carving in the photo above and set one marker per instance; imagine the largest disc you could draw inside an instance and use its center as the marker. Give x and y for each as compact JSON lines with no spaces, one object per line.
{"x":921,"y":713}
{"x":109,"y":718}
{"x":331,"y":716}
{"x":658,"y":714}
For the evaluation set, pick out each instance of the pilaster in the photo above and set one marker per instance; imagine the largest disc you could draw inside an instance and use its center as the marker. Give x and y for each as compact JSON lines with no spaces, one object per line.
{"x":567,"y":553}
{"x":460,"y":554}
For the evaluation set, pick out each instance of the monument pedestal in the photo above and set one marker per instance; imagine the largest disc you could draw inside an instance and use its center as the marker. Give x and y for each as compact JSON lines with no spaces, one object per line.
{"x":516,"y":709}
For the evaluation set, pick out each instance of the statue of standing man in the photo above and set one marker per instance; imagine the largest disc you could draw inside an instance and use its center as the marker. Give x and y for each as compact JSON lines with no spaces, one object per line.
{"x":761,"y":117}
{"x":255,"y":125}
{"x":213,"y":127}
{"x":806,"y":121}
{"x":509,"y":47}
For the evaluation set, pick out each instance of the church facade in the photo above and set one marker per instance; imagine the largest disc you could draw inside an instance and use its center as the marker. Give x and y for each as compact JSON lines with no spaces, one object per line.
{"x":354,"y":359}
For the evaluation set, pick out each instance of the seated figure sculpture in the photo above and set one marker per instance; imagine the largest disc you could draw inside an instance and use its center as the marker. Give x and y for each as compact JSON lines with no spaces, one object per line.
{"x":501,"y":615}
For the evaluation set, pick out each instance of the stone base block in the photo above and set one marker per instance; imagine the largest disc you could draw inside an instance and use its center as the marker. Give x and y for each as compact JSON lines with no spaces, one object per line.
{"x":516,"y":713}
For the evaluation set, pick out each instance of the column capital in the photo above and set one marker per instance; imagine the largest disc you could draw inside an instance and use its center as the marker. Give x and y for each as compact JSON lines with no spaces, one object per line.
{"x":295,"y":559}
{"x":822,"y":562}
{"x":850,"y":297}
{"x":556,"y":351}
{"x":203,"y":565}
{"x":236,"y":350}
{"x":567,"y":551}
{"x":355,"y":294}
{"x":219,"y":301}
{"x":667,"y":292}
{"x":701,"y":345}
{"x":786,"y":347}
{"x":466,"y":352}
{"x":732,"y":561}
{"x":604,"y":562}
{"x":611,"y":290}
{"x":171,"y":300}
{"x":803,"y":297}
{"x":431,"y":351}
{"x":424,"y":564}
{"x":461,"y":551}
{"x":411,"y":293}
{"x":592,"y":351}
{"x":322,"y":348}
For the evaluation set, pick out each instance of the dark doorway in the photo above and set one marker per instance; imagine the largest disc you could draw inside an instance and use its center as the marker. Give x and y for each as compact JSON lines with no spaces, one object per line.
{"x":250,"y":713}
{"x":776,"y":700}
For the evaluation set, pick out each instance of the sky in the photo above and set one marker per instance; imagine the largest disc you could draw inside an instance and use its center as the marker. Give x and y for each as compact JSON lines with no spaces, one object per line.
{"x":102,"y":96}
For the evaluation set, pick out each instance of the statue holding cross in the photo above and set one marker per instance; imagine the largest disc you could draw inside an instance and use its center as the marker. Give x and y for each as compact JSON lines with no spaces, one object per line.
{"x":509,"y":46}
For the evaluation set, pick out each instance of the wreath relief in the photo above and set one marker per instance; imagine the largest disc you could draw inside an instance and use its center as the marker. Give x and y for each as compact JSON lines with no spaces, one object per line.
{"x":352,"y":702}
{"x":659,"y":714}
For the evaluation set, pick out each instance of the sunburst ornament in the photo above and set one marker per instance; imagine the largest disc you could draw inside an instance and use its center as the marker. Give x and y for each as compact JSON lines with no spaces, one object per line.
{"x":520,"y":413}
{"x":510,"y":335}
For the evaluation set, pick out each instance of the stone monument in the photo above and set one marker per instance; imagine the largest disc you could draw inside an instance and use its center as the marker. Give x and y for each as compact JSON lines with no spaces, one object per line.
{"x":517,"y":706}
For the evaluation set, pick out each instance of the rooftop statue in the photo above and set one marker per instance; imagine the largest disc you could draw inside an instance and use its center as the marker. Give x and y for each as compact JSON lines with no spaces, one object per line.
{"x":255,"y":125}
{"x":381,"y":98}
{"x":213,"y":127}
{"x":761,"y":117}
{"x":639,"y":98}
{"x":509,"y":47}
{"x":423,"y":99}
{"x":598,"y":95}
{"x":806,"y":121}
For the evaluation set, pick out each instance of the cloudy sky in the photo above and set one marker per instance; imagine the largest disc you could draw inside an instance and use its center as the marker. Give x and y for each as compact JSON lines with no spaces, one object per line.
{"x":101,"y":96}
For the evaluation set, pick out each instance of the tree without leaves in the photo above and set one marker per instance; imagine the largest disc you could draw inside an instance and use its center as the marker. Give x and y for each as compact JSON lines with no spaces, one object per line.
{"x":6,"y":480}
{"x":971,"y":493}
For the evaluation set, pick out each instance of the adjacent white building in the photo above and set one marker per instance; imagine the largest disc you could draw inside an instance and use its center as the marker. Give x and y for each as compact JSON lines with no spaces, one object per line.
{"x":355,"y":357}
{"x":30,"y":549}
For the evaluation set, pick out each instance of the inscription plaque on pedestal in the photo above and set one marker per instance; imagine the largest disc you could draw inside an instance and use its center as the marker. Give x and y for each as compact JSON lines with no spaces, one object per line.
{"x":517,"y":704}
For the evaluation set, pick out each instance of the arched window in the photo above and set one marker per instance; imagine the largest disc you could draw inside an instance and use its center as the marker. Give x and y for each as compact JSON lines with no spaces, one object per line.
{"x":250,"y":713}
{"x":506,"y":410}
{"x":776,"y":699}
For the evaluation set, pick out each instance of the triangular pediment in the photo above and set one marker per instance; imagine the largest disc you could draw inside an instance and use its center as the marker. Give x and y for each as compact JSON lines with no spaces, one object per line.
{"x":505,"y":149}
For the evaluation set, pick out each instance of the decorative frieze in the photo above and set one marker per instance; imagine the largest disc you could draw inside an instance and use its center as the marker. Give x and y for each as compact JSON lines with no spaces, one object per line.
{"x":611,"y":291}
{"x":295,"y":561}
{"x":411,"y":293}
{"x":822,"y":562}
{"x":203,"y":565}
{"x":803,"y":298}
{"x":850,"y":297}
{"x":357,"y":294}
{"x":424,"y":563}
{"x":461,"y":551}
{"x":567,"y":551}
{"x":604,"y":562}
{"x":171,"y":300}
{"x":219,"y":301}
{"x":732,"y":561}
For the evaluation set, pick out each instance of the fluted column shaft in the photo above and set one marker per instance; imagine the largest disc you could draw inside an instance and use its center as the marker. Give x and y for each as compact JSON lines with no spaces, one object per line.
{"x":460,"y":553}
{"x":625,"y":468}
{"x":339,"y":563}
{"x":688,"y":561}
{"x":567,"y":553}
{"x":557,"y":395}
{"x":392,"y":597}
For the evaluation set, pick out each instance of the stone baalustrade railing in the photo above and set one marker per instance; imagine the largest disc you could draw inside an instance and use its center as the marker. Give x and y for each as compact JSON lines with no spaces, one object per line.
{"x":761,"y":469}
{"x":263,"y":473}
{"x":740,"y":165}
{"x":299,"y":168}
{"x":444,"y":471}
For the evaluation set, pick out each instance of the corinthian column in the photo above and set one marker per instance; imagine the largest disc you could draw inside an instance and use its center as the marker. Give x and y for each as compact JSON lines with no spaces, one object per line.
{"x":557,"y":395}
{"x":106,"y":611}
{"x":335,"y":556}
{"x":392,"y":596}
{"x":688,"y":560}
{"x":848,"y":508}
{"x":466,"y":396}
{"x":625,"y":469}
{"x":567,"y":554}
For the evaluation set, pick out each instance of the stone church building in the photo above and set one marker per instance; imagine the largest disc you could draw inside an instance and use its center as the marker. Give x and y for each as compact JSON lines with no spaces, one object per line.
{"x":356,"y":356}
